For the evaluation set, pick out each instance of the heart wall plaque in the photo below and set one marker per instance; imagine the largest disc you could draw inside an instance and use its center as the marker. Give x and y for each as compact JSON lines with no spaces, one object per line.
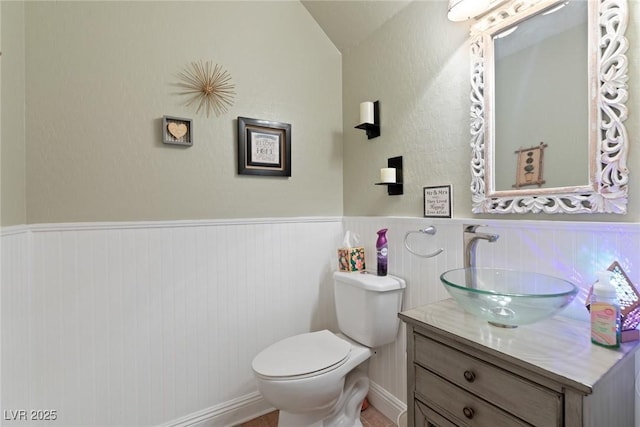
{"x":176,"y":130}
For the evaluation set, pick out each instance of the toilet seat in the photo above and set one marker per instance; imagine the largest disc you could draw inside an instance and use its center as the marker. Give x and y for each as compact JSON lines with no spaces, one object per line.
{"x":302,"y":356}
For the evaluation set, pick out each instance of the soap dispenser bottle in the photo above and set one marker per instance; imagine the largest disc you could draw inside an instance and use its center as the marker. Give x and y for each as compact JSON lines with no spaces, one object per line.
{"x":605,"y":312}
{"x":382,"y":252}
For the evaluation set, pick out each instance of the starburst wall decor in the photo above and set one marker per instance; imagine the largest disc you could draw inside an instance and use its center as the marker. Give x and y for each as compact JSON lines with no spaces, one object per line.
{"x":208,"y":86}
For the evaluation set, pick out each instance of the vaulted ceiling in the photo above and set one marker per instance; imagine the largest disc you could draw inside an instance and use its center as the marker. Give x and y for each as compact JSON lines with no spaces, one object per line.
{"x":349,"y":22}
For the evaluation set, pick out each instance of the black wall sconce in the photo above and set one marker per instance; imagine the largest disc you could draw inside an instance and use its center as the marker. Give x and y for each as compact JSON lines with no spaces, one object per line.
{"x":391,"y":176}
{"x":370,"y":118}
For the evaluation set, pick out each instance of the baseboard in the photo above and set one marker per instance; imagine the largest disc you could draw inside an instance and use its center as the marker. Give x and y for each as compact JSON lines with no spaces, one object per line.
{"x":228,"y":414}
{"x":252,"y":405}
{"x":386,"y":403}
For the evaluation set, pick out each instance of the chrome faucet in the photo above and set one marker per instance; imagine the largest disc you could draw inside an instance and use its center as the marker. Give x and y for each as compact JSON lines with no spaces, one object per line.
{"x":470,"y":240}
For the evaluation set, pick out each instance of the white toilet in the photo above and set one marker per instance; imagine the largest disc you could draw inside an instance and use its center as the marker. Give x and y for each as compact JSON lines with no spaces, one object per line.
{"x":319,"y":379}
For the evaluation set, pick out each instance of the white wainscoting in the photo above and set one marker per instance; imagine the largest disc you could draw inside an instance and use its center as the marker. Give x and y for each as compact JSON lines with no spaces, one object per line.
{"x":16,"y":379}
{"x":156,"y":323}
{"x":134,"y":324}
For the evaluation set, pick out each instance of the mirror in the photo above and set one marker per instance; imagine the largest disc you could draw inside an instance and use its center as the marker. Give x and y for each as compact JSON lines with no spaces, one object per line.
{"x":549,"y":87}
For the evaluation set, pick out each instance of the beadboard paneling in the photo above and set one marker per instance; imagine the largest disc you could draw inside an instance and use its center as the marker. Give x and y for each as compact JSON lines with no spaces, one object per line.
{"x":138,"y":325}
{"x":15,"y":374}
{"x":157,"y":323}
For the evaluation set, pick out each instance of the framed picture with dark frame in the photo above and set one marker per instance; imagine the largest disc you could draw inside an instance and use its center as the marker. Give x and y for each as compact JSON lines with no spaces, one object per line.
{"x":264,"y":147}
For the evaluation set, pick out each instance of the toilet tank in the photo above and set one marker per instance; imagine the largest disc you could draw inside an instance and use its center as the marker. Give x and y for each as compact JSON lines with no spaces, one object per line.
{"x":367,"y":306}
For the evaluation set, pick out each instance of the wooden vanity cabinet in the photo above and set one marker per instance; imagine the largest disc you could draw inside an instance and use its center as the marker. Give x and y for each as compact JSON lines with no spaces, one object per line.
{"x":461,"y":371}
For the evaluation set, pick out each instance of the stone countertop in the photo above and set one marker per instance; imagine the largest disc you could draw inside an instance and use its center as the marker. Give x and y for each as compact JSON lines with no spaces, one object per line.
{"x":559,"y":348}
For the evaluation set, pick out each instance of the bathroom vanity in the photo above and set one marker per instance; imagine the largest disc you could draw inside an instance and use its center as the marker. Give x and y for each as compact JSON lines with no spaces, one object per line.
{"x":461,"y":371}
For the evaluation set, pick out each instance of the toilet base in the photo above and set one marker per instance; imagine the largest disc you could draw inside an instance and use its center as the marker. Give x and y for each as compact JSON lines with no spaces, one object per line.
{"x":296,"y":422}
{"x":346,"y":411}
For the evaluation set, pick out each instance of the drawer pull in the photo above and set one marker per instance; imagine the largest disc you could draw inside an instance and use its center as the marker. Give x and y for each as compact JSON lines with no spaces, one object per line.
{"x":469,"y":376}
{"x":468,"y":412}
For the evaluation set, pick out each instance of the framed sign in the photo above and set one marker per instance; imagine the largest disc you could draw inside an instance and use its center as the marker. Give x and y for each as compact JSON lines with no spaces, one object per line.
{"x":437,"y":201}
{"x":264,"y":147}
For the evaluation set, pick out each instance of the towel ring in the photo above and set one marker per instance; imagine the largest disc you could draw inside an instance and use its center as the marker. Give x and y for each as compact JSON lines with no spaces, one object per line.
{"x":431,"y":230}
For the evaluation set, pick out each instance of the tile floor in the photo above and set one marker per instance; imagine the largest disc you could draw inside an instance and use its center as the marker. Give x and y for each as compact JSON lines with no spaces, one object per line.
{"x":370,"y":417}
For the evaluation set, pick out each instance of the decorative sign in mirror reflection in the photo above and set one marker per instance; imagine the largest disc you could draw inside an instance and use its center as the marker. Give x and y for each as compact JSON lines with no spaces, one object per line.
{"x":530,"y":166}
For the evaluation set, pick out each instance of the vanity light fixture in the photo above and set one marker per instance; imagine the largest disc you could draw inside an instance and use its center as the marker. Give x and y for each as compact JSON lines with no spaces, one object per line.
{"x":555,"y":9}
{"x":462,"y":10}
{"x":370,"y":118}
{"x":505,"y":33}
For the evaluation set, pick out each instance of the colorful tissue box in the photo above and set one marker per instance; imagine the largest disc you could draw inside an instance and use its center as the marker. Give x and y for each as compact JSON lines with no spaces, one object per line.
{"x":351,"y":259}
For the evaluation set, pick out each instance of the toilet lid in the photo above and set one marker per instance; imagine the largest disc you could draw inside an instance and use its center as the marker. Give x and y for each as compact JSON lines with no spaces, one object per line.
{"x":301,"y":355}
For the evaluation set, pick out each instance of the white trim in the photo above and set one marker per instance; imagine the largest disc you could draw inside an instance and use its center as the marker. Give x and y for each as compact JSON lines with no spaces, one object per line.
{"x":623,"y":227}
{"x":119,"y":225}
{"x":175,"y":224}
{"x":496,"y":221}
{"x":227,"y":414}
{"x":386,"y":403}
{"x":618,"y":227}
{"x":250,"y":406}
{"x":13,"y":229}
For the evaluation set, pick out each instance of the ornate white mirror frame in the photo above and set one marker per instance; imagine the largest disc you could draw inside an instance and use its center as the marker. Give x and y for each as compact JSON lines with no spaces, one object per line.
{"x":607,"y":190}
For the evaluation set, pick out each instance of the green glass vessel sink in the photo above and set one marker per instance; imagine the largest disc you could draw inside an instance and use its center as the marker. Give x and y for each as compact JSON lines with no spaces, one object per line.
{"x":508,"y":298}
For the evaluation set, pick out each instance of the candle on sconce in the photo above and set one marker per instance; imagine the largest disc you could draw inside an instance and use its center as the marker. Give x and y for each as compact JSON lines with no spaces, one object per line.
{"x":366,"y":112}
{"x":388,"y":175}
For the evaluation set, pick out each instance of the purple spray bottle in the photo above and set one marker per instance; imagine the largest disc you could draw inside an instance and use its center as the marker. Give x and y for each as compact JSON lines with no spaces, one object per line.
{"x":382,"y":250}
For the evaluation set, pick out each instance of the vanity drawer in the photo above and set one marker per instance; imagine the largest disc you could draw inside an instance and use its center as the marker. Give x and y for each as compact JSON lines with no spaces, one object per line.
{"x":535,"y":404}
{"x":459,"y":404}
{"x":427,"y":417}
